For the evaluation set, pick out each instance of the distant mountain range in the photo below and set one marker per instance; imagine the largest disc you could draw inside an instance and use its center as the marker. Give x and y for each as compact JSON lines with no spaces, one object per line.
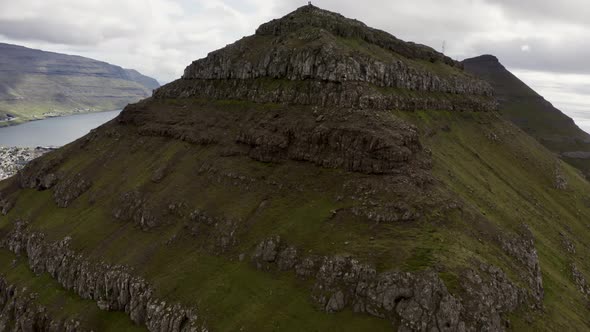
{"x":37,"y":84}
{"x":532,"y":113}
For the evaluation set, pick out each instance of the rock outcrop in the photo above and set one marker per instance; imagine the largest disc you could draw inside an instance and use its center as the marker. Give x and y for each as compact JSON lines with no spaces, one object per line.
{"x":20,"y":312}
{"x":354,"y":140}
{"x":34,"y":80}
{"x":113,"y":288}
{"x":415,"y":301}
{"x":13,"y":159}
{"x":522,"y":248}
{"x":316,"y":57}
{"x":517,"y":102}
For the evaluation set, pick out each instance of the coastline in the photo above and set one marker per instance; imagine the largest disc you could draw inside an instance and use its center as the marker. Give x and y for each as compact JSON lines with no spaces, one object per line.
{"x":15,"y":121}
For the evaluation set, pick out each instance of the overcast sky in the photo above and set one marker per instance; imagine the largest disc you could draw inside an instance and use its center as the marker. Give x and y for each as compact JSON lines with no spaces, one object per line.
{"x":544,"y":42}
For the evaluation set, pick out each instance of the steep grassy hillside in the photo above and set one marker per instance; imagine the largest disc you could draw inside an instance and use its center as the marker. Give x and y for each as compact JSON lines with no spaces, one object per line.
{"x":257,"y":196}
{"x":532,"y":113}
{"x":35,"y":84}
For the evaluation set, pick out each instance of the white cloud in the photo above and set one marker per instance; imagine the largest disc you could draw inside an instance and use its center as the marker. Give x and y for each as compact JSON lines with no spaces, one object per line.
{"x":157,"y":37}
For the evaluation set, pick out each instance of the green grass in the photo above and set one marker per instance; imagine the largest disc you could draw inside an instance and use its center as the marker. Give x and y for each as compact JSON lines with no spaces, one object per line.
{"x":500,"y":184}
{"x":511,"y":182}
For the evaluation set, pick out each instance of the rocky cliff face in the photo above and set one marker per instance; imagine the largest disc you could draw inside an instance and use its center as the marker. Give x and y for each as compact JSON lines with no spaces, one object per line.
{"x":339,"y":62}
{"x":532,"y":113}
{"x":12,"y":159}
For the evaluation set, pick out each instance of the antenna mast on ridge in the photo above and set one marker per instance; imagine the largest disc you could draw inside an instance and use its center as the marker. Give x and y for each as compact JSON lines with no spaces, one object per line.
{"x":444,"y":46}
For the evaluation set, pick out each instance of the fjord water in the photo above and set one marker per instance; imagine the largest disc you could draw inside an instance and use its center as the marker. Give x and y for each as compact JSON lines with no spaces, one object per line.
{"x":56,"y":131}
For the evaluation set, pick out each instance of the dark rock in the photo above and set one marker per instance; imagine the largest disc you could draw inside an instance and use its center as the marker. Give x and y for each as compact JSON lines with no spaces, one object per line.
{"x":219,"y":231}
{"x":580,"y":280}
{"x":569,"y":246}
{"x":20,"y":312}
{"x":266,"y":251}
{"x":323,"y":58}
{"x":287,"y":258}
{"x":305,"y":59}
{"x":488,"y":293}
{"x":559,"y":179}
{"x":113,"y":287}
{"x":48,"y":181}
{"x":351,"y":95}
{"x":522,"y":247}
{"x":70,"y":188}
{"x":308,"y":266}
{"x":40,"y":173}
{"x":416,"y":301}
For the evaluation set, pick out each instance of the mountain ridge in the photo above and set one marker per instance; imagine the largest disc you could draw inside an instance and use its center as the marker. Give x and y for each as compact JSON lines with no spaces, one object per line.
{"x":37,"y":84}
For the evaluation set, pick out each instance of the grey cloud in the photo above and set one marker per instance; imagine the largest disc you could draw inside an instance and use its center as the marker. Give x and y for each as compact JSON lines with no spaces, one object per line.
{"x":53,"y":31}
{"x":567,"y":11}
{"x":566,"y":56}
{"x":49,"y":32}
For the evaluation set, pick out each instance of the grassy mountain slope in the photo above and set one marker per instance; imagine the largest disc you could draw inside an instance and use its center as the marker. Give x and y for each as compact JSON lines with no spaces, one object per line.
{"x":531,"y":112}
{"x":36,"y":84}
{"x":243,"y":211}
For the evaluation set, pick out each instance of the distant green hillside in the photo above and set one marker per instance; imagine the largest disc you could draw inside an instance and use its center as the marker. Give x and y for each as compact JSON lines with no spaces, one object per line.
{"x":532,"y":113}
{"x":36,"y":84}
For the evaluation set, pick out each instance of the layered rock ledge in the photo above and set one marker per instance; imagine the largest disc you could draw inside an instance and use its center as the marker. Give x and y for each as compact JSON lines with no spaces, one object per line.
{"x":114,"y":288}
{"x":414,"y":301}
{"x":316,"y":57}
{"x":354,"y":140}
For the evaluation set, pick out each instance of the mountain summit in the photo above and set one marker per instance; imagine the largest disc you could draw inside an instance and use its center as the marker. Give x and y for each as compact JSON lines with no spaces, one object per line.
{"x":316,"y":57}
{"x":318,"y":175}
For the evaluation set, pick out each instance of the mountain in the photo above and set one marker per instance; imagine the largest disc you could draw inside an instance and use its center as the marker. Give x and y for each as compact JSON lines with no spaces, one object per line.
{"x":532,"y":113}
{"x":36,"y":84}
{"x":319,"y":175}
